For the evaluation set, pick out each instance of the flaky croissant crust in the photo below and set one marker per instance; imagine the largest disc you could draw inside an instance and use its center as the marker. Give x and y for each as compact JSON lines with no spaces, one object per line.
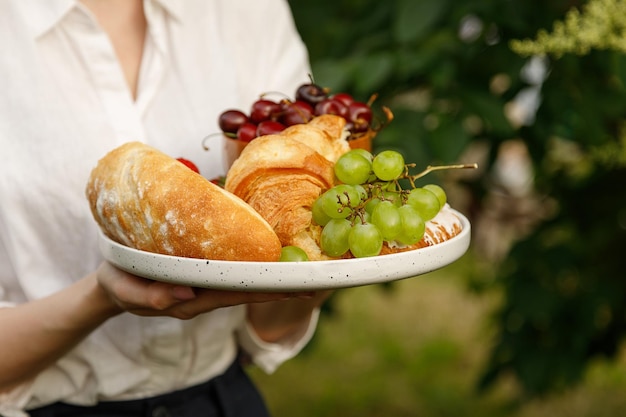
{"x":281,"y":175}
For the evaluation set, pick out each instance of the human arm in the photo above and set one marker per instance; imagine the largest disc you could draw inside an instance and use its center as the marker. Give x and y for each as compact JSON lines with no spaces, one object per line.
{"x":273,"y":335}
{"x":37,"y":333}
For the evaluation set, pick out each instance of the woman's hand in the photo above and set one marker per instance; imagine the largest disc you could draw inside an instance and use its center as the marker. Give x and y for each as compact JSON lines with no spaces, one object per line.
{"x":153,"y":298}
{"x":276,"y":321}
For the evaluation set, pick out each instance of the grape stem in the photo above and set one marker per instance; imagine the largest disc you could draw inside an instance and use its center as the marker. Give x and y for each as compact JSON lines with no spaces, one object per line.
{"x":432,"y":168}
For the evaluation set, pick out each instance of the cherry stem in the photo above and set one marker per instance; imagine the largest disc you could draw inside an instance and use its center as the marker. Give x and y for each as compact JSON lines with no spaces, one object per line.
{"x":372,"y":99}
{"x":204,"y":140}
{"x":381,"y":124}
{"x":312,"y":81}
{"x":278,"y":93}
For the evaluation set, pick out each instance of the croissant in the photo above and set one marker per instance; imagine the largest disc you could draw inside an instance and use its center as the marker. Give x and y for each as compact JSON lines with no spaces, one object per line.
{"x":147,"y":200}
{"x":282,"y":175}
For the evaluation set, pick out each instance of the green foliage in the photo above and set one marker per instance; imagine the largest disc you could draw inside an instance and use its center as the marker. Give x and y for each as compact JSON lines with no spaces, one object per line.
{"x":409,"y":53}
{"x":564,"y":292}
{"x":566,"y":297}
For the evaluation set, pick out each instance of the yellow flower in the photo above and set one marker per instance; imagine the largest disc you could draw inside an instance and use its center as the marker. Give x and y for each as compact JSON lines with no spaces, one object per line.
{"x":601,"y":24}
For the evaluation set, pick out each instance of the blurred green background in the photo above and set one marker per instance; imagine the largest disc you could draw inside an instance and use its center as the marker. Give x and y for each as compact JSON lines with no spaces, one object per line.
{"x":531,"y":321}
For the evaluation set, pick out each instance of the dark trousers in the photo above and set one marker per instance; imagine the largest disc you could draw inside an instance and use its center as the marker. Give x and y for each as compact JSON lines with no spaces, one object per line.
{"x":231,"y":394}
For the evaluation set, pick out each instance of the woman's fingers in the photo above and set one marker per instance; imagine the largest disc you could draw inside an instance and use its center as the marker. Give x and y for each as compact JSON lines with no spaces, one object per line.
{"x":208,"y":300}
{"x":153,"y":298}
{"x":132,"y":293}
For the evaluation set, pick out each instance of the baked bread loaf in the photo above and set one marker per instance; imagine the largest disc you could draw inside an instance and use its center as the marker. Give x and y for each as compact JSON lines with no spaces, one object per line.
{"x":147,"y":200}
{"x":282,"y":175}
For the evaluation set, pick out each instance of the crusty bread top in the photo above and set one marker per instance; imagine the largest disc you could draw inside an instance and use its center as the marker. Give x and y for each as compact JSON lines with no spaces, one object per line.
{"x":147,"y":200}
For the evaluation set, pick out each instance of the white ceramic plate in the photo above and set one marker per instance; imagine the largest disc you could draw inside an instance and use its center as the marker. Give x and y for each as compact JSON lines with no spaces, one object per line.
{"x":287,"y":276}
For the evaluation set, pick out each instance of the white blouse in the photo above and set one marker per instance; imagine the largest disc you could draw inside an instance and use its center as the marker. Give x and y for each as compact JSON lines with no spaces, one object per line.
{"x":64,"y":103}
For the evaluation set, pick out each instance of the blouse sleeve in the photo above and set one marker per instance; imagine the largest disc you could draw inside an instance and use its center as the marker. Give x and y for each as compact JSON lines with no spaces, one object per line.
{"x":269,"y":356}
{"x":12,"y":402}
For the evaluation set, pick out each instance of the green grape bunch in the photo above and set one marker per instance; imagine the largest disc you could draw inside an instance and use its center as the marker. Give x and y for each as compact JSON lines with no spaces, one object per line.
{"x":369,"y":207}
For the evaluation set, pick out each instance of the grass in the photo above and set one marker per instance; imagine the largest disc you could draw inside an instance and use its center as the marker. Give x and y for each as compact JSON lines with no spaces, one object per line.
{"x":416,"y":349}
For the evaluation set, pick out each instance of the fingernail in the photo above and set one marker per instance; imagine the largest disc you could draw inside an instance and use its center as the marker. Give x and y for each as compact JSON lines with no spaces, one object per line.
{"x":183,"y":293}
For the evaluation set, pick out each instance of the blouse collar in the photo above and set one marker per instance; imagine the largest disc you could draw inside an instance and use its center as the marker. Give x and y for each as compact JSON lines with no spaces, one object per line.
{"x":44,"y":15}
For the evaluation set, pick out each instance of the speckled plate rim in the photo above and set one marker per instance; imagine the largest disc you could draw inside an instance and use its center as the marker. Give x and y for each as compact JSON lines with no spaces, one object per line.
{"x":287,"y":276}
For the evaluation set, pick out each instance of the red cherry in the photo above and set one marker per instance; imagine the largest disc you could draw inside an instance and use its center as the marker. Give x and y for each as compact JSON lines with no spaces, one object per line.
{"x":188,"y":164}
{"x":360,"y":115}
{"x":263,"y":109}
{"x":246,"y":132}
{"x":297,"y":112}
{"x":219,"y":181}
{"x":311,"y":93}
{"x":269,"y":127}
{"x":331,"y":106}
{"x":345,"y":98}
{"x":231,"y":120}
